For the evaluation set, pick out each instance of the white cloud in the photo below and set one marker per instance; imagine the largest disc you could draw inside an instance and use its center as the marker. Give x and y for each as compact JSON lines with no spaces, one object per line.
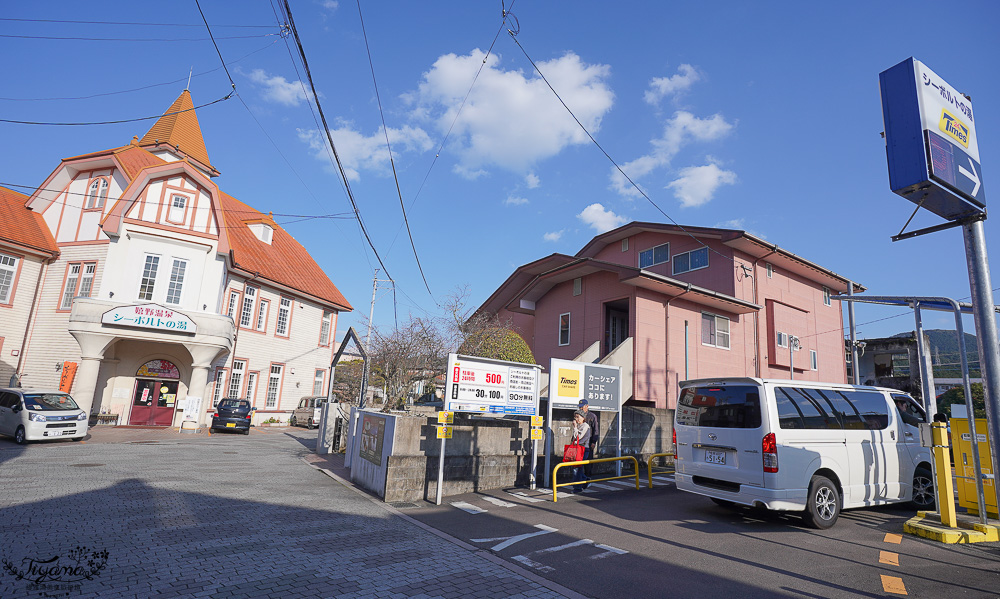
{"x":511,"y":119}
{"x":532,"y":180}
{"x":553,"y":236}
{"x":515,"y":201}
{"x":330,"y":5}
{"x":601,"y":219}
{"x":736,"y":223}
{"x":280,"y":90}
{"x":359,"y":152}
{"x":697,"y":184}
{"x":660,"y":87}
{"x":680,"y":130}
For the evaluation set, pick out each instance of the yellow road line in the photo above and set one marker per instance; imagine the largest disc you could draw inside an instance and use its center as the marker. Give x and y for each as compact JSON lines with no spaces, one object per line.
{"x":893,"y":584}
{"x":887,"y":557}
{"x":893,"y":538}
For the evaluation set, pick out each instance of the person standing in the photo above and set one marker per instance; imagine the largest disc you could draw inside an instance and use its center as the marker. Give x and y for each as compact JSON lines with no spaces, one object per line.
{"x":595,"y":428}
{"x":581,"y":436}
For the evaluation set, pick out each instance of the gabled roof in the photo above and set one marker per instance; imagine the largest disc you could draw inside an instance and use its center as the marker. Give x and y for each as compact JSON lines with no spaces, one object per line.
{"x":284,"y":261}
{"x":178,"y":127}
{"x":24,"y":227}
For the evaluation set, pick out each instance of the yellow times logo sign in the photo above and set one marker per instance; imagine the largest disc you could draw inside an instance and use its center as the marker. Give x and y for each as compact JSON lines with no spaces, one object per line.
{"x":569,"y":383}
{"x":954,"y":128}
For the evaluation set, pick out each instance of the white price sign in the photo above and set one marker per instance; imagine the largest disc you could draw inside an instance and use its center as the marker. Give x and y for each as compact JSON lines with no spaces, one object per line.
{"x":491,"y":386}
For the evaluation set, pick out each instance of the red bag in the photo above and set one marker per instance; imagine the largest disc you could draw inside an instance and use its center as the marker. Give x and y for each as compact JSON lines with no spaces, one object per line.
{"x":573,"y":453}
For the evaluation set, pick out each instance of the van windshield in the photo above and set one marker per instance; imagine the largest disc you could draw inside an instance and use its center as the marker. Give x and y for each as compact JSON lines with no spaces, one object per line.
{"x":49,"y":401}
{"x":723,"y":406}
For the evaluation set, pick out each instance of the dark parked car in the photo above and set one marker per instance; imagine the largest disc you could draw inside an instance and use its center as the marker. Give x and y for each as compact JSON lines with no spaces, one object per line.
{"x":233,"y":415}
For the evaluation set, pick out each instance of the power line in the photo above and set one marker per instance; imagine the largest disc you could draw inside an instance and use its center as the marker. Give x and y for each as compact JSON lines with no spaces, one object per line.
{"x":129,"y":23}
{"x":217,"y":51}
{"x":392,"y":163}
{"x":136,"y":89}
{"x":130,"y":39}
{"x":329,"y":138}
{"x":145,"y":118}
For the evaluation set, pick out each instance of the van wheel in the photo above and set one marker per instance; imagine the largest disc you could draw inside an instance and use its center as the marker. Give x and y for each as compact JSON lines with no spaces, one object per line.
{"x":923,"y":489}
{"x":310,"y":426}
{"x":19,"y":436}
{"x":823,"y":503}
{"x":291,"y":421}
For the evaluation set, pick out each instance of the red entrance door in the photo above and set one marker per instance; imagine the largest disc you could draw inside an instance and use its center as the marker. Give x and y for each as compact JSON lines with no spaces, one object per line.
{"x":153,"y":403}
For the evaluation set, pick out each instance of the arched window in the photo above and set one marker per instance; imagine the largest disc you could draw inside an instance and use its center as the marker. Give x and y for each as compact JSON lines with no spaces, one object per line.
{"x":97,"y":194}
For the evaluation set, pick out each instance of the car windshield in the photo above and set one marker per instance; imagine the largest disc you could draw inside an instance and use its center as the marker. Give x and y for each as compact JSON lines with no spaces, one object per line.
{"x":49,"y":401}
{"x":234,"y":404}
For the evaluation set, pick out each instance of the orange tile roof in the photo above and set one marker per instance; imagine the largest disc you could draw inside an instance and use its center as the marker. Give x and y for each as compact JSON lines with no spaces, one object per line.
{"x":133,"y":159}
{"x":285,"y":261}
{"x":22,"y":226}
{"x":180,"y":129}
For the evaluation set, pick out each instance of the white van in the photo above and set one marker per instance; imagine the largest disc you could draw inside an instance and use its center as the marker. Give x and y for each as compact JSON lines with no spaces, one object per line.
{"x":30,"y":415}
{"x":801,"y":446}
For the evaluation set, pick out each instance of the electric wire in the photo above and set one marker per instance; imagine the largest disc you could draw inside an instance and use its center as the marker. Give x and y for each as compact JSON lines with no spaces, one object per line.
{"x":134,"y":120}
{"x":131,"y":39}
{"x":214,"y":43}
{"x":329,"y":138}
{"x":128,"y":23}
{"x":388,"y":145}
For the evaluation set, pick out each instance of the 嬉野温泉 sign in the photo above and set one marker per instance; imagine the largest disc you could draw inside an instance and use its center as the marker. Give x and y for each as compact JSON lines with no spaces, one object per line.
{"x":485,"y":386}
{"x":600,"y":385}
{"x":931,"y":142}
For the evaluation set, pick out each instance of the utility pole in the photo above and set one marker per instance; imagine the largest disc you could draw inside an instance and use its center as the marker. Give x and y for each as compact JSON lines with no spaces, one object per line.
{"x":368,"y":335}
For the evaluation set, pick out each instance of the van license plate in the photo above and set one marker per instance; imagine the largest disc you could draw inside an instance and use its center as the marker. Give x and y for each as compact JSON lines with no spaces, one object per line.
{"x":55,"y":433}
{"x":232,"y":424}
{"x":715,"y":457}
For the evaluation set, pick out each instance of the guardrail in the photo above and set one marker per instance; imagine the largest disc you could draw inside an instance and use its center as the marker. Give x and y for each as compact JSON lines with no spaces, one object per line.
{"x":555,"y":471}
{"x":649,"y":464}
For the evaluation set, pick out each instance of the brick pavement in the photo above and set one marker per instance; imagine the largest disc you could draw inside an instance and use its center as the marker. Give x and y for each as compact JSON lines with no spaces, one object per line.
{"x":199,"y":515}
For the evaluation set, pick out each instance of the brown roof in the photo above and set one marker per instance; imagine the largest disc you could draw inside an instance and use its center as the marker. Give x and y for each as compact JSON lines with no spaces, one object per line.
{"x":285,"y":261}
{"x":22,"y":226}
{"x":179,"y":127}
{"x":133,"y":159}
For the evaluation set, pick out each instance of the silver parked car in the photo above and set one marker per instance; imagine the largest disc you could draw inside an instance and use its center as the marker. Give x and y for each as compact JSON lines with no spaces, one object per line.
{"x":308,"y":412}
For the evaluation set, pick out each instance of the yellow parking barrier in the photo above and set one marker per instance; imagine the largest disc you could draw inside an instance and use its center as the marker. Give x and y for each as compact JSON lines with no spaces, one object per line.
{"x":649,"y":464}
{"x":555,"y":485}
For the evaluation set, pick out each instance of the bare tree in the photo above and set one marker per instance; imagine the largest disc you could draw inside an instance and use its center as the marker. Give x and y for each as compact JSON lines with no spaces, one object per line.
{"x":478,"y":333}
{"x":414,"y":351}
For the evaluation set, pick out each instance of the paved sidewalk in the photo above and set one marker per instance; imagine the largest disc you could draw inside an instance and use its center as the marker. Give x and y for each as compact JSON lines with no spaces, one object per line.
{"x":157,"y":513}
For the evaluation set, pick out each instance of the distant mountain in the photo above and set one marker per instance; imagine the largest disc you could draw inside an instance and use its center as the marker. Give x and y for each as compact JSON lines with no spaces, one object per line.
{"x":945,"y":354}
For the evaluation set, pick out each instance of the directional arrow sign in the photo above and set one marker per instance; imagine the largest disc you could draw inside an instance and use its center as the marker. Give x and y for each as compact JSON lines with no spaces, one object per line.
{"x":972,"y":176}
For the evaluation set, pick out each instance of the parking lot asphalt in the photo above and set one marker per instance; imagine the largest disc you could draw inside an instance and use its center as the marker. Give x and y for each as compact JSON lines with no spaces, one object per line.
{"x":132,"y":512}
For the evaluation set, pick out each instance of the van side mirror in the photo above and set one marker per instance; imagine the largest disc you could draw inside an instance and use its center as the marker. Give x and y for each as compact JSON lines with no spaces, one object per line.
{"x":17,"y":407}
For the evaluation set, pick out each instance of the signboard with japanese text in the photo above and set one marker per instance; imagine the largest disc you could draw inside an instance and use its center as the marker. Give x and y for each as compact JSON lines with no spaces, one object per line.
{"x":485,"y":386}
{"x":446,"y":417}
{"x":372,"y":437}
{"x":150,"y":316}
{"x":600,"y":385}
{"x":537,"y":434}
{"x":931,"y":142}
{"x":444,"y":432}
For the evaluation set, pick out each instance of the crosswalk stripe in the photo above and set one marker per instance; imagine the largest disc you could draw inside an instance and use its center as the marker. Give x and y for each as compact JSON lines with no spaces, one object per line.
{"x":499,"y":502}
{"x":526,"y":497}
{"x":468,"y":507}
{"x":605,"y":487}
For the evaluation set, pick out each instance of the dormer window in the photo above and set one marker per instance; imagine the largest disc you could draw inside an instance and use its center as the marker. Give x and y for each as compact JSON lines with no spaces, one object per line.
{"x":96,"y":194}
{"x":263,"y":232}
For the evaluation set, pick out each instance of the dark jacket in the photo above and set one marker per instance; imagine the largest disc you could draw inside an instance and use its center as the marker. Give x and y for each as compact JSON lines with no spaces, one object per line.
{"x":595,"y":429}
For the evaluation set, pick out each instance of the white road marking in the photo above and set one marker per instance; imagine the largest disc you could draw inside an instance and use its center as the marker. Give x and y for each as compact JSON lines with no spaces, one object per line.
{"x":663,"y":477}
{"x":608,"y":550}
{"x":468,"y":507}
{"x":508,"y":541}
{"x":526,"y":497}
{"x":524,"y":559}
{"x":499,"y":502}
{"x":623,"y":483}
{"x":605,"y":487}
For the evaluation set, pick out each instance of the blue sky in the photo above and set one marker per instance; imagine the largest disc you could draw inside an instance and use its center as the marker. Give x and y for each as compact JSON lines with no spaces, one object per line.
{"x":758,"y":116}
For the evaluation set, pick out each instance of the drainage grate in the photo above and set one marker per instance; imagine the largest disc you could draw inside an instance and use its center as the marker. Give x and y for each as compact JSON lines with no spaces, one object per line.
{"x":86,"y":465}
{"x":402,"y":505}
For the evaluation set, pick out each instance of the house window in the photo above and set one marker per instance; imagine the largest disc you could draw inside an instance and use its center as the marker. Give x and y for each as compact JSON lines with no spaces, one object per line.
{"x":782,"y":339}
{"x":252,"y":388}
{"x":265,"y":305}
{"x":324,"y":329}
{"x":693,"y":260}
{"x":274,"y":385}
{"x":715,"y":330}
{"x":249,"y":300}
{"x":8,"y":269}
{"x":79,"y":282}
{"x":813,"y":359}
{"x":770,"y":270}
{"x":318,"y":380}
{"x":234,"y":300}
{"x":97,"y":193}
{"x":148,"y":277}
{"x":564,"y":329}
{"x":284,"y":312}
{"x":177,"y":210}
{"x":220,"y":381}
{"x":826,"y":296}
{"x":176,"y":281}
{"x":625,"y":244}
{"x":236,"y":378}
{"x":654,"y":255}
{"x":577,"y":286}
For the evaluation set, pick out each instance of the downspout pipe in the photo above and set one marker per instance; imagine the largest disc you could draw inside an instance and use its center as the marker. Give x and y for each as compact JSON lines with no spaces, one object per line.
{"x":666,"y":333}
{"x":756,"y":314}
